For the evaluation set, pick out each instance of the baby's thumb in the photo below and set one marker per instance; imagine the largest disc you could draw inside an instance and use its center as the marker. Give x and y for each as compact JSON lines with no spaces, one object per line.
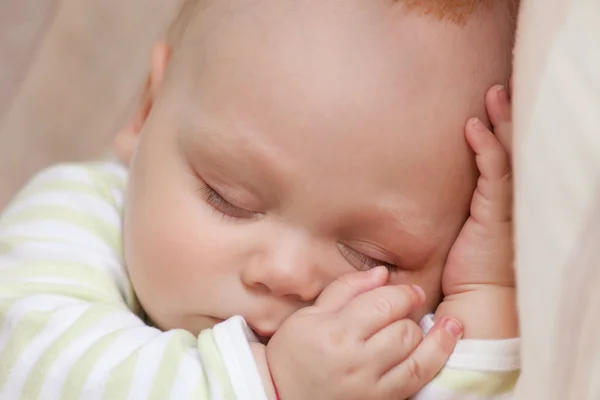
{"x":339,"y":293}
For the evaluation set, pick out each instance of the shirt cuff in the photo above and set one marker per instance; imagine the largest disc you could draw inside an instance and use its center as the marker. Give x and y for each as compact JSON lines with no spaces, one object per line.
{"x":233,"y":338}
{"x":501,"y":355}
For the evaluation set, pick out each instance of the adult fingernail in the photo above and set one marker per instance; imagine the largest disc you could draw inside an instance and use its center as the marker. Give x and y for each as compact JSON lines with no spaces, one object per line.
{"x":420,"y":292}
{"x":502,"y":94}
{"x":453,"y":327}
{"x":478,"y":125}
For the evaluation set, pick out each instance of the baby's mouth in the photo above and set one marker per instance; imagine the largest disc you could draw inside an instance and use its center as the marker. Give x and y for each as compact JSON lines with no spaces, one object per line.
{"x":263,"y":337}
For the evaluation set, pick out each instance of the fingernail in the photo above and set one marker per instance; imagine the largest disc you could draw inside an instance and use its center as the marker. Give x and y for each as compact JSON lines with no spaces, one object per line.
{"x":478,"y":125}
{"x":453,"y":327}
{"x":502,"y":94}
{"x":420,"y":292}
{"x":377,"y":271}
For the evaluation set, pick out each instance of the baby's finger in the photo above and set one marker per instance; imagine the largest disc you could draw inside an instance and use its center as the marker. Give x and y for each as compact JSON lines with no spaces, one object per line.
{"x":492,"y":159}
{"x":425,"y":362}
{"x":393,"y":344}
{"x":499,"y":110}
{"x":345,"y":288}
{"x":492,"y":200}
{"x":370,"y":312}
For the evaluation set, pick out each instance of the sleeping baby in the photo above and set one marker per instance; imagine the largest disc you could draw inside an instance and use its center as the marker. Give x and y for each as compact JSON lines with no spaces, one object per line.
{"x":309,"y":203}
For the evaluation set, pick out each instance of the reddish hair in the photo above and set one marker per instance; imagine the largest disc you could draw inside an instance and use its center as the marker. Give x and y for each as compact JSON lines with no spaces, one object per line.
{"x":456,"y":10}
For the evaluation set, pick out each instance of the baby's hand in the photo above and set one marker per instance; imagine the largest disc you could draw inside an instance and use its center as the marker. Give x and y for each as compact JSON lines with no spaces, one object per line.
{"x":356,"y":342}
{"x":478,"y":281}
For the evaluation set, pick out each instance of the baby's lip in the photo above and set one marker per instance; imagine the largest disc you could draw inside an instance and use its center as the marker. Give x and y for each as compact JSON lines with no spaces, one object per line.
{"x":216,"y":320}
{"x":262,"y":335}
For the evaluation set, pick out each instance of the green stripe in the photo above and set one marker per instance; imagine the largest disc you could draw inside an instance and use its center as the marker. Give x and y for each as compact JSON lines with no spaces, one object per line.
{"x":50,"y":186}
{"x":13,"y":241}
{"x":81,"y":370}
{"x":20,"y":339}
{"x":101,"y":183}
{"x":97,"y":227}
{"x":71,"y":271}
{"x":57,"y":265}
{"x":105,"y":180}
{"x":120,"y":379}
{"x":5,"y":247}
{"x":16,"y":240}
{"x":112,"y":179}
{"x":80,"y":327}
{"x":19,"y":289}
{"x":200,"y":390}
{"x":477,"y":383}
{"x":169,"y":363}
{"x":211,"y":358}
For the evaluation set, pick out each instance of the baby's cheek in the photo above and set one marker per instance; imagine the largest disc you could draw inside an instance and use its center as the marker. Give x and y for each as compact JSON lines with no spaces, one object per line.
{"x":159,"y":259}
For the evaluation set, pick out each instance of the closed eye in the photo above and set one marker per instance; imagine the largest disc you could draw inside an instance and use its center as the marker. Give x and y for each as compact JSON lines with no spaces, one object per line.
{"x":223,"y":206}
{"x":363,"y":262}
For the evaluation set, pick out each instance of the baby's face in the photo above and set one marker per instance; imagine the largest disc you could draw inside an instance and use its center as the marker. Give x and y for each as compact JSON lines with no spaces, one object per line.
{"x":315,"y":141}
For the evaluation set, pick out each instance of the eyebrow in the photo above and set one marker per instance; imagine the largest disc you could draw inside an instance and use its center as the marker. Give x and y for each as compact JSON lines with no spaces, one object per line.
{"x":188,"y":139}
{"x":221,"y":154}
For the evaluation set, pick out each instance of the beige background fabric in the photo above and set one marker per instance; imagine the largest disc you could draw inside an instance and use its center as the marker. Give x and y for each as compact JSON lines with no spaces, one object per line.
{"x":73,"y":67}
{"x":557,"y":128}
{"x":68,"y":71}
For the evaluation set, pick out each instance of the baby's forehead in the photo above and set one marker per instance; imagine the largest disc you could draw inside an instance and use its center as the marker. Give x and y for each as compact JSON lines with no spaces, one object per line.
{"x":200,"y":19}
{"x":414,"y":74}
{"x":457,"y":11}
{"x":350,"y":79}
{"x":355,"y":78}
{"x":328,"y":40}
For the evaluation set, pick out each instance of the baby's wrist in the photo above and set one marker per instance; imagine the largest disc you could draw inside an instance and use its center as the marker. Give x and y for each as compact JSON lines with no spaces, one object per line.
{"x":486,"y":312}
{"x":260,"y":357}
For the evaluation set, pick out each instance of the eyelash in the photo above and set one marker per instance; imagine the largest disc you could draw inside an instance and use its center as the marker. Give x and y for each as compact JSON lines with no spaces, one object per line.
{"x":227,"y":209}
{"x":365,"y":260}
{"x":224,"y":207}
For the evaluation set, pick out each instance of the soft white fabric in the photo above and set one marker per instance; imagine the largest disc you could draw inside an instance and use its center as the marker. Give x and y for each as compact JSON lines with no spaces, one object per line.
{"x":233,"y":337}
{"x":482,"y":355}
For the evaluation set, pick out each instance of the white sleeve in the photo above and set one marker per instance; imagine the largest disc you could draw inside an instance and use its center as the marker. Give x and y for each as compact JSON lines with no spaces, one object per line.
{"x":68,"y":322}
{"x":233,"y":337}
{"x":476,"y":370}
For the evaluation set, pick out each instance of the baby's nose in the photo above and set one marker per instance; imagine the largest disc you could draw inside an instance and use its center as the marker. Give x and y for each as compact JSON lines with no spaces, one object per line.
{"x":288,"y":271}
{"x":296,"y":282}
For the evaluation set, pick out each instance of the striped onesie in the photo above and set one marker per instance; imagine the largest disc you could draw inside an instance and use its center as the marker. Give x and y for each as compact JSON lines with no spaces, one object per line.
{"x":71,"y":327}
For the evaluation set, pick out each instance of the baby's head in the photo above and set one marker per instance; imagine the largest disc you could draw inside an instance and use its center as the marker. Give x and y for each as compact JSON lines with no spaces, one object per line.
{"x":282,"y":144}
